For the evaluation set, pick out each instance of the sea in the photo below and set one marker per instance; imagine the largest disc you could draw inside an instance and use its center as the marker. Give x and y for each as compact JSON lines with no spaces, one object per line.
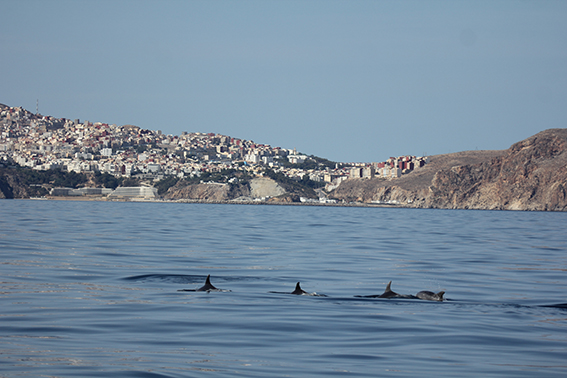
{"x":92,"y":289}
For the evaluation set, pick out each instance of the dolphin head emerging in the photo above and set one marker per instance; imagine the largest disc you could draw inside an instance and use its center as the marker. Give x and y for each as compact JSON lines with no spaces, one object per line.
{"x":431,"y":296}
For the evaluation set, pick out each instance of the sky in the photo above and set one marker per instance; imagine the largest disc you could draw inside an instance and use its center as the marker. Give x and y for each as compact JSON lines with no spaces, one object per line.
{"x":349,"y":81}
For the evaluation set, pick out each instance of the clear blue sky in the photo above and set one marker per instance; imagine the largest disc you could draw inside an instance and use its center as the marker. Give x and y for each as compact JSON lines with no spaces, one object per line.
{"x":345,"y":80}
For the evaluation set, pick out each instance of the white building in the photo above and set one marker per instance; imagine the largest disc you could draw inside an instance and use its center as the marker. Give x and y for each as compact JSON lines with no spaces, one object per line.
{"x":296,"y":159}
{"x":252,"y":158}
{"x":106,"y":152}
{"x":134,"y":191}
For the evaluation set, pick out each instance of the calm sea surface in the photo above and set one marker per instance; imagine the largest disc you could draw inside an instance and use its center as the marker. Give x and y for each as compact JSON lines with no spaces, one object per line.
{"x":90,"y":289}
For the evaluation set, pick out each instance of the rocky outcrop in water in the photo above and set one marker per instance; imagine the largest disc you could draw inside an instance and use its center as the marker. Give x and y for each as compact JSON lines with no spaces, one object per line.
{"x":530,"y":175}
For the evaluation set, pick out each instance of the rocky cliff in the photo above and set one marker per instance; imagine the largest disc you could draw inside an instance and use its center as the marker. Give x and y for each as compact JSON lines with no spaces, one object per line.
{"x":15,"y":184}
{"x":214,"y":192}
{"x":530,"y":175}
{"x":259,"y":187}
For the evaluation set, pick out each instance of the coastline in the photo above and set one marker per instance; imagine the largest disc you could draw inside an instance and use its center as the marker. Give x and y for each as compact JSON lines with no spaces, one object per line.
{"x":143,"y":200}
{"x":265,"y":203}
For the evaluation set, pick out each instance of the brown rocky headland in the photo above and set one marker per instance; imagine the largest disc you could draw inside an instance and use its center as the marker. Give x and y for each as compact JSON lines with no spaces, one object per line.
{"x":530,"y":175}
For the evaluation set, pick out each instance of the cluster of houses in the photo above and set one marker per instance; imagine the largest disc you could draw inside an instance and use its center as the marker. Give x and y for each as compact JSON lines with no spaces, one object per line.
{"x":394,"y":167}
{"x":44,"y":142}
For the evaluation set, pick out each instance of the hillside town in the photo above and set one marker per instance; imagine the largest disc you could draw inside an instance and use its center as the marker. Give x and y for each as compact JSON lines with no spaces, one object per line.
{"x":47,"y":143}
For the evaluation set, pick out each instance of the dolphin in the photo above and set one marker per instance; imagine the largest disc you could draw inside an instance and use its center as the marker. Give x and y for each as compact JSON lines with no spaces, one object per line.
{"x":388,"y":293}
{"x":558,"y":305}
{"x":208,"y":286}
{"x":431,"y":296}
{"x":299,"y":291}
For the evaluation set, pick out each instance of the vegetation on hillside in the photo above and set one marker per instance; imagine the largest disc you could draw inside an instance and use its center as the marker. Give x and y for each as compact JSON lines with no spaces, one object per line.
{"x":51,"y":177}
{"x":312,"y":162}
{"x":304,"y":187}
{"x":38,"y":183}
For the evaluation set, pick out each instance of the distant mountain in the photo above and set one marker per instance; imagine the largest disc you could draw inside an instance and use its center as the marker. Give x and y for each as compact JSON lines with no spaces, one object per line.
{"x":530,"y":175}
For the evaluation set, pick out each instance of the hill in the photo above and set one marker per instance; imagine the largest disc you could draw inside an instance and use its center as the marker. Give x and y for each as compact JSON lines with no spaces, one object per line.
{"x":530,"y":175}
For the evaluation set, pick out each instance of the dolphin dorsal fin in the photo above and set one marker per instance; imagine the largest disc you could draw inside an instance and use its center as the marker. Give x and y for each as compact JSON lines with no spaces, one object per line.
{"x":388,"y":287}
{"x":440,"y":295}
{"x":208,"y":284}
{"x":298,"y":289}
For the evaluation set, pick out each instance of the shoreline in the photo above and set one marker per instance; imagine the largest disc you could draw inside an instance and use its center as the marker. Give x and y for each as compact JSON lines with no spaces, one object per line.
{"x":194,"y":201}
{"x":143,"y":200}
{"x":274,"y":203}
